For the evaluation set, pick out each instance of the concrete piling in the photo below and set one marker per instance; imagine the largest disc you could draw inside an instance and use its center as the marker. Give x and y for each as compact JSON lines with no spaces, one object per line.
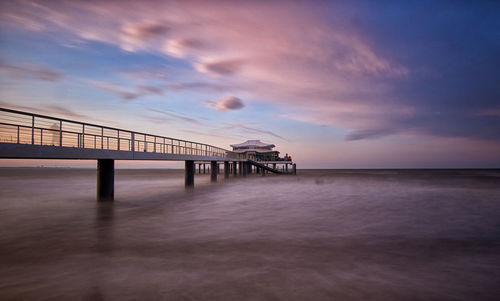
{"x":189,"y":173}
{"x":105,"y":180}
{"x":213,"y":174}
{"x":227,"y":169}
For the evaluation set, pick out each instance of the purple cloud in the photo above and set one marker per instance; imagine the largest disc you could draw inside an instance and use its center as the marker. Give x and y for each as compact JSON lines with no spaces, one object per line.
{"x":223,"y":67}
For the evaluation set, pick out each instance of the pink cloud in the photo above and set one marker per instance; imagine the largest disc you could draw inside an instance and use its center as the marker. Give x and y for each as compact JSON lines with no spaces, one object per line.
{"x":291,"y":58}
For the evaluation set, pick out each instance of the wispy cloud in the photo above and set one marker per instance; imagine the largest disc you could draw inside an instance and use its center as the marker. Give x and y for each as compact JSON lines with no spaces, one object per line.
{"x":176,"y":116}
{"x":251,"y":130}
{"x":207,"y":134}
{"x":126,"y":93}
{"x":27,"y":71}
{"x":203,"y":86}
{"x":369,"y":134}
{"x":51,"y":110}
{"x":118,"y":90}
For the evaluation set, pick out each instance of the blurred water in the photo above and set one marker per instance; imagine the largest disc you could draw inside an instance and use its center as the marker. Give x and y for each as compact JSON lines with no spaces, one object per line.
{"x":322,"y":235}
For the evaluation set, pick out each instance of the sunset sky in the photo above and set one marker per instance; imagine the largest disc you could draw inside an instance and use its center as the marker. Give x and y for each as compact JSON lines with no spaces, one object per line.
{"x":336,"y":84}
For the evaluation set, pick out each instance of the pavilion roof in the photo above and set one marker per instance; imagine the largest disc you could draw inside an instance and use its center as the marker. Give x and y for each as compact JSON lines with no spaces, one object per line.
{"x":253,"y":143}
{"x":262,"y":151}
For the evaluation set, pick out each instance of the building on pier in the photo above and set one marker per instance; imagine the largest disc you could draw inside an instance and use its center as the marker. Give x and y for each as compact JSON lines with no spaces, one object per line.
{"x":254,"y":150}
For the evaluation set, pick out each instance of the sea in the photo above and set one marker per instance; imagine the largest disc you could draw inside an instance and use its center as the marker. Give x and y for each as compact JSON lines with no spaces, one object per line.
{"x":319,"y":235}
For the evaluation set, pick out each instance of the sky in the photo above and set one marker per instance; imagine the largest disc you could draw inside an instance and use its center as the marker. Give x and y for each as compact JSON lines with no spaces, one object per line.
{"x":336,"y":84}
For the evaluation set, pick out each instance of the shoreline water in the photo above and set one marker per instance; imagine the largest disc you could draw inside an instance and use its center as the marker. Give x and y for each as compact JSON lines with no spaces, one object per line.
{"x":320,"y":235}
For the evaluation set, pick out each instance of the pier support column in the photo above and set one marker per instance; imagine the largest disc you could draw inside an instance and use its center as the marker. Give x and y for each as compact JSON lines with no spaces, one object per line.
{"x":245,"y":168}
{"x":274,"y":165}
{"x":263,"y":171}
{"x":234,"y":168}
{"x":199,"y":168}
{"x":204,"y":169}
{"x":294,"y":168}
{"x":213,"y":175}
{"x":105,"y":180}
{"x":286,"y":167}
{"x":189,"y":173}
{"x":241,"y":168}
{"x":227,"y":169}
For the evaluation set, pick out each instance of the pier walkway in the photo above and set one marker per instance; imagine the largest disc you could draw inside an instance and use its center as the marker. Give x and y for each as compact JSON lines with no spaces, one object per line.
{"x":25,"y":135}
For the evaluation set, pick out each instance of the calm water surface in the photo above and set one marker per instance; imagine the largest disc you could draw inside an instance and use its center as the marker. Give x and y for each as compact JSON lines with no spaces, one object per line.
{"x":322,"y":235}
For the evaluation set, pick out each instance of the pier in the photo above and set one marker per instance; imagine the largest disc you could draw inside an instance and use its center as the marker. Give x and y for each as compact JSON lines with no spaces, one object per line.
{"x":25,"y":135}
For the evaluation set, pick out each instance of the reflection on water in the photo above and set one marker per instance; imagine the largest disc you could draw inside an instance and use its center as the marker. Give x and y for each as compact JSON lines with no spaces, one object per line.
{"x":322,"y":235}
{"x":104,"y":227}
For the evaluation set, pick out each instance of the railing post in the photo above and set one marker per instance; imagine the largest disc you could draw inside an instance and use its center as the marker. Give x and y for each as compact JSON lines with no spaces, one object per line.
{"x":102,"y":138}
{"x":17,"y":134}
{"x":33,"y":129}
{"x":83,"y":136}
{"x":60,"y":133}
{"x":133,"y":142}
{"x":118,"y":139}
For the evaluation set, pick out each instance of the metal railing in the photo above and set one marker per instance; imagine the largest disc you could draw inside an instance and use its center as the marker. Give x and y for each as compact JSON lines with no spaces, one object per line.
{"x":28,"y":128}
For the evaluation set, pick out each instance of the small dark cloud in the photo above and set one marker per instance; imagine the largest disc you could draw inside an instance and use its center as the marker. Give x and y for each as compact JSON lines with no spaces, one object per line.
{"x":226,"y":67}
{"x":31,"y":72}
{"x":226,"y":104}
